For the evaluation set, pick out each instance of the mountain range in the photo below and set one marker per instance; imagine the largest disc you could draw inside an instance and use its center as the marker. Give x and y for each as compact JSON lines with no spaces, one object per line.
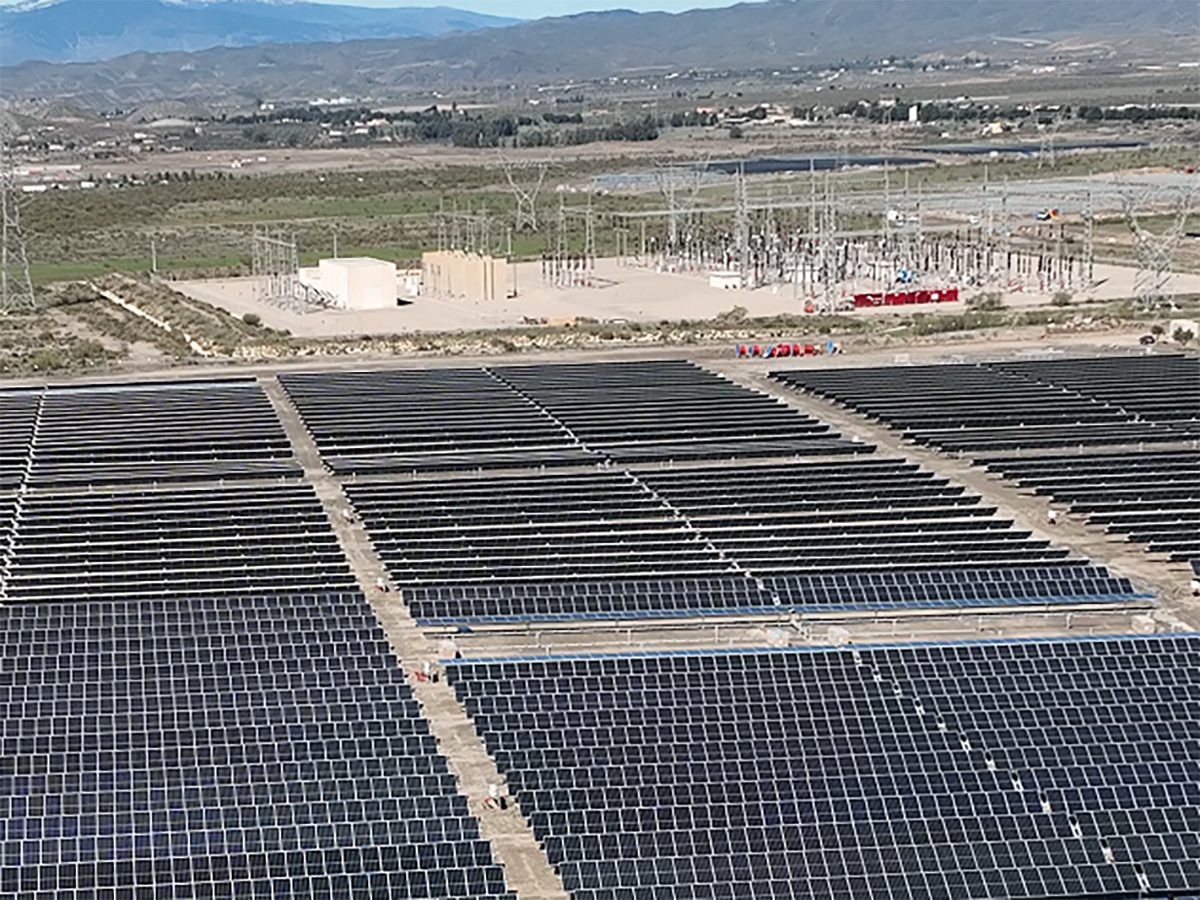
{"x":91,"y":30}
{"x":773,"y":35}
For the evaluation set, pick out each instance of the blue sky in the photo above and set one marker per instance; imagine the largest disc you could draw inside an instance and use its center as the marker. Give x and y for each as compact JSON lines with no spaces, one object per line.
{"x":530,"y":9}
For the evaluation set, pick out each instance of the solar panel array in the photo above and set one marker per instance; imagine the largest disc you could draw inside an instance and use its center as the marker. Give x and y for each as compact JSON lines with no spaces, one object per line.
{"x":440,"y":419}
{"x":589,"y":526}
{"x":669,"y":409}
{"x":70,"y":437}
{"x":880,"y":515}
{"x":231,"y":747}
{"x":18,"y":412}
{"x":975,"y":408}
{"x":159,"y":433}
{"x":1159,"y":388}
{"x":204,"y":541}
{"x":196,"y":701}
{"x":1056,"y":769}
{"x":876,"y":532}
{"x":1151,"y":497}
{"x":1029,"y":413}
{"x":552,"y":415}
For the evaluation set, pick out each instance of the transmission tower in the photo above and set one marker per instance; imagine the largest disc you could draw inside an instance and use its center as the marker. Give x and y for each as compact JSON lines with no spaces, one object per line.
{"x":828,"y":251}
{"x":1154,"y":251}
{"x":843,"y":150}
{"x":16,"y":287}
{"x":1046,"y":135}
{"x":526,"y":218}
{"x":741,"y":225}
{"x":680,"y":186}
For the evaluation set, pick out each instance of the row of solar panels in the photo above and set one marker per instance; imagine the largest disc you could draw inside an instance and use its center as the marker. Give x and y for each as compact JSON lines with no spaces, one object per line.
{"x":875,"y":532}
{"x":147,"y":432}
{"x":532,"y":416}
{"x":187,"y":542}
{"x":1045,"y":407}
{"x":995,"y":770}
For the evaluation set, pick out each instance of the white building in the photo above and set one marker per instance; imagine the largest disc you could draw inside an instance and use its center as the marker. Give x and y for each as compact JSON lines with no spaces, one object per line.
{"x":354,"y":282}
{"x":726,"y":280}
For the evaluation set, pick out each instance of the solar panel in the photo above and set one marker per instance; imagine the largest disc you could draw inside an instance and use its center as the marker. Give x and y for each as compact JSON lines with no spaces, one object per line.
{"x":653,"y":410}
{"x":1029,"y":414}
{"x":992,"y":407}
{"x":404,"y":420}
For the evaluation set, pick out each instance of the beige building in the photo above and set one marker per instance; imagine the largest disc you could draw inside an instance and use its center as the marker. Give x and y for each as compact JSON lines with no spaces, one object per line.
{"x":464,"y":276}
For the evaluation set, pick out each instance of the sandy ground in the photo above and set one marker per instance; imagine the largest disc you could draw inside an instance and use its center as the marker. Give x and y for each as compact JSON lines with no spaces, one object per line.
{"x":622,"y":293}
{"x":631,"y":294}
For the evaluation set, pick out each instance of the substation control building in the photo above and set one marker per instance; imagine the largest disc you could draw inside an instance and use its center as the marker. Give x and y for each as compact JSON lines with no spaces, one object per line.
{"x":354,"y":282}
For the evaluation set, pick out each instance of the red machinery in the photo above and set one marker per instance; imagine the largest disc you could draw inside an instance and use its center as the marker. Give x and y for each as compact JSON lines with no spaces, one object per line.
{"x":904,"y":298}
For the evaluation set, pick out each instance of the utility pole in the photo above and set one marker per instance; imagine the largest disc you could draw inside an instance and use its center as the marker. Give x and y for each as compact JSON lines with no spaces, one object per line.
{"x":1089,"y":242}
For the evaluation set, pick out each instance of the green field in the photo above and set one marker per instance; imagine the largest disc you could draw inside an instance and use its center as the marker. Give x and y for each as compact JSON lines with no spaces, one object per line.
{"x":204,"y":225}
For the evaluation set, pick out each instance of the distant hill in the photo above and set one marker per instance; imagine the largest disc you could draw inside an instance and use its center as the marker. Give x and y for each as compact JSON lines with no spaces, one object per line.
{"x":90,"y":30}
{"x":775,"y":34}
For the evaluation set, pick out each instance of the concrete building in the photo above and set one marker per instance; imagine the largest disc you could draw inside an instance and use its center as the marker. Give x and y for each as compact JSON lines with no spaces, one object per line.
{"x":354,"y":282}
{"x":465,"y":276}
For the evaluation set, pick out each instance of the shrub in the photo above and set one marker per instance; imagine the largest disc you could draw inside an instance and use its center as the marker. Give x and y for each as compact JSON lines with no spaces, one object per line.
{"x":992,"y":300}
{"x":252,"y":319}
{"x":1183,"y":336}
{"x":1062,"y":298}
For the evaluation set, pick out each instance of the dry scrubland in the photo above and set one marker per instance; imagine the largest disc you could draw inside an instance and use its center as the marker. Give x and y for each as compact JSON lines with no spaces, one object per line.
{"x":81,"y":332}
